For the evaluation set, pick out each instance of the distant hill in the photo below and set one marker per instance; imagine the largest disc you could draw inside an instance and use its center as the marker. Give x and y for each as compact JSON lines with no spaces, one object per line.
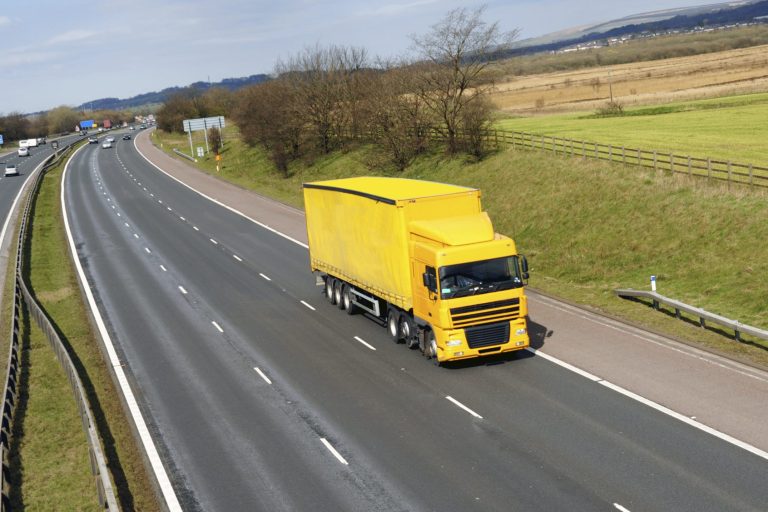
{"x":150,"y":98}
{"x":682,"y":19}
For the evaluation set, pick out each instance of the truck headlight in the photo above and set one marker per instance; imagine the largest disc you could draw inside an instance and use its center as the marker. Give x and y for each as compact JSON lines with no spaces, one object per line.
{"x":520,"y":332}
{"x":453,"y":343}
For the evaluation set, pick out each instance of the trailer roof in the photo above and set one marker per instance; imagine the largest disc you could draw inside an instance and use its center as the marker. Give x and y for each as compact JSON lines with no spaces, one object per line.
{"x":389,"y":190}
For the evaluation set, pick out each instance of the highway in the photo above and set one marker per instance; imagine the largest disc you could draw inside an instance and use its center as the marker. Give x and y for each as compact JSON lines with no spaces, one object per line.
{"x":260,"y":395}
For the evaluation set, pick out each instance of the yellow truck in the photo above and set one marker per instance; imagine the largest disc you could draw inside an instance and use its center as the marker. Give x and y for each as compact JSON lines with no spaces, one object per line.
{"x":423,"y":257}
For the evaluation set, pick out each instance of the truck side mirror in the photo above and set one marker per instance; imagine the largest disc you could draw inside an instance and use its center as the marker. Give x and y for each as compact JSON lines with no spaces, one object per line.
{"x":524,"y":264}
{"x":429,"y":281}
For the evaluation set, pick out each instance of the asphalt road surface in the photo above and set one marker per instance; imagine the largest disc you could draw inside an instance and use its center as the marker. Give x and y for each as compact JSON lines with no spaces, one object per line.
{"x":262,"y":396}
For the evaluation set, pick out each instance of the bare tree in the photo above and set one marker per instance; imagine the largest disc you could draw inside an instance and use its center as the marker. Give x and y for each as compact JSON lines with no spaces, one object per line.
{"x":457,"y":52}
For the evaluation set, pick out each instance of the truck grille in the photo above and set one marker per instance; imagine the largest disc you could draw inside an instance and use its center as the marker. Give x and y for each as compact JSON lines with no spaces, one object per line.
{"x":485,"y":313}
{"x":485,"y":335}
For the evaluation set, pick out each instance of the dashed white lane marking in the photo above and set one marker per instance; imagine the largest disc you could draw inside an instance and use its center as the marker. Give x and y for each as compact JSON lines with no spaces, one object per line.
{"x":238,"y":258}
{"x":162,"y":267}
{"x":214,"y":242}
{"x":265,"y":277}
{"x":118,"y":214}
{"x":135,"y":235}
{"x":261,"y":373}
{"x":182,"y":290}
{"x":182,"y":219}
{"x":148,"y":251}
{"x":126,"y":224}
{"x":462,"y":406}
{"x":151,"y":195}
{"x":620,"y":508}
{"x":365,"y":343}
{"x":217,"y":326}
{"x":195,"y":228}
{"x":333,"y":451}
{"x":309,"y":306}
{"x":168,"y":208}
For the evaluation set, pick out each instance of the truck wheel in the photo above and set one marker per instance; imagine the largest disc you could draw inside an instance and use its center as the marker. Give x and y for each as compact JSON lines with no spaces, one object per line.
{"x":329,"y":285}
{"x":408,"y":330}
{"x":393,"y":327}
{"x":431,"y":348}
{"x":337,"y":295}
{"x":346,"y":296}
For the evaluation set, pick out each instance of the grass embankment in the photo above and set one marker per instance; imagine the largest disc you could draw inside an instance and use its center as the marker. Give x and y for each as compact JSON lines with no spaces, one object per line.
{"x":588,"y":227}
{"x":731,"y":128}
{"x":52,"y":471}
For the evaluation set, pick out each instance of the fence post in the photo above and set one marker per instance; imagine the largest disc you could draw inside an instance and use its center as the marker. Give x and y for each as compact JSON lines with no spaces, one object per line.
{"x":571,"y":148}
{"x":655,"y":160}
{"x":496,"y":135}
{"x":623,"y":155}
{"x":597,"y":152}
{"x":610,"y":152}
{"x":750,"y":175}
{"x":672,"y":163}
{"x":709,"y":168}
{"x":730,"y":175}
{"x":583,"y":150}
{"x":639,"y":158}
{"x":690,"y":172}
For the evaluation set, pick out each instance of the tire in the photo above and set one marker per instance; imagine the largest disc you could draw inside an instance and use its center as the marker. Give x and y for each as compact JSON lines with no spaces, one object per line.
{"x":346,"y":297}
{"x":338,"y":298}
{"x":408,"y":330}
{"x":393,"y":325}
{"x":431,"y":348}
{"x":329,"y":286}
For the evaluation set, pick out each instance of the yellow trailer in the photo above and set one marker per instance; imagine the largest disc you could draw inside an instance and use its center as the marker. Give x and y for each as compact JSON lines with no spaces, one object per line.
{"x":424,"y":257}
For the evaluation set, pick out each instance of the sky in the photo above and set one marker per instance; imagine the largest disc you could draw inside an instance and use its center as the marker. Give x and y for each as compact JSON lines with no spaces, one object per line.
{"x":56,"y":53}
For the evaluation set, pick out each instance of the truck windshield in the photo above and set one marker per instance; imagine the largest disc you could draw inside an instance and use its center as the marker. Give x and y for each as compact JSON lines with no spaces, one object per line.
{"x":478,"y":277}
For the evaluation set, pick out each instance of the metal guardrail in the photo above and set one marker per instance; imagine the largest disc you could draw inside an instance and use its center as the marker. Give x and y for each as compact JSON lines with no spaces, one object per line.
{"x":703,"y":315}
{"x":191,"y":159}
{"x":106,"y":494}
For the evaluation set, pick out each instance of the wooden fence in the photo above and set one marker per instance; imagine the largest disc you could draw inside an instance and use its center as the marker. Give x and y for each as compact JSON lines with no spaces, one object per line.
{"x":730,"y":172}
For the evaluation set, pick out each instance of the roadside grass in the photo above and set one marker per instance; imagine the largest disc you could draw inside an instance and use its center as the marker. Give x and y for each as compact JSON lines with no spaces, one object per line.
{"x":590,"y":227}
{"x":732,"y":128}
{"x":43,"y":450}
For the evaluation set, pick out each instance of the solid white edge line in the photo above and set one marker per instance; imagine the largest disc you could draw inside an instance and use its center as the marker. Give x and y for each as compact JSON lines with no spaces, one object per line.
{"x":309,"y":306}
{"x":685,"y":419}
{"x":579,"y":371}
{"x":654,"y":405}
{"x":365,"y":343}
{"x":164,"y":482}
{"x":620,"y":508}
{"x":265,"y":277}
{"x":567,"y":366}
{"x":217,"y":326}
{"x":233,"y":210}
{"x":336,"y":454}
{"x":461,"y":405}
{"x":261,"y":373}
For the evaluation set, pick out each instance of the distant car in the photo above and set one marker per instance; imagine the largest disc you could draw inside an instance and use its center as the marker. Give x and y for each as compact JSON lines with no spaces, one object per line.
{"x":110,"y":139}
{"x":23,"y":152}
{"x":11,"y":170}
{"x":126,"y":137}
{"x":106,"y":145}
{"x":142,"y":127}
{"x":93,"y":140}
{"x":132,"y":128}
{"x":83,"y":133}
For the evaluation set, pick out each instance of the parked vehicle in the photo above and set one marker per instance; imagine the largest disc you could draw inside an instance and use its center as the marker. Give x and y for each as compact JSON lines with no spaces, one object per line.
{"x":424,"y":257}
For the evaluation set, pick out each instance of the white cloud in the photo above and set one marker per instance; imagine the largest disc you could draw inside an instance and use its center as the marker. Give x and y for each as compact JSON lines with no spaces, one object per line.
{"x":72,"y":36}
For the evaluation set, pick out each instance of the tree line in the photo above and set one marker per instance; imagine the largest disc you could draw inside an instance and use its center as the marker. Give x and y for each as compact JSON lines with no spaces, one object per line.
{"x":326,"y":97}
{"x":17,"y":126}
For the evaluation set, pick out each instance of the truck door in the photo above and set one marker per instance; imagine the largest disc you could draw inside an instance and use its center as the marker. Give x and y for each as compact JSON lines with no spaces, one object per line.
{"x":424,"y":300}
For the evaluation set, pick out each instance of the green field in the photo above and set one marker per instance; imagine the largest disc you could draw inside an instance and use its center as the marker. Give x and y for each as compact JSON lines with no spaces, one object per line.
{"x":588,"y":227}
{"x":732,"y":128}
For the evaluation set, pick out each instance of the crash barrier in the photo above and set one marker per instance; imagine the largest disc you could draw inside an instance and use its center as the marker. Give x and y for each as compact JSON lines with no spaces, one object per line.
{"x":191,"y":159}
{"x":703,"y":315}
{"x":106,"y":494}
{"x":720,"y":170}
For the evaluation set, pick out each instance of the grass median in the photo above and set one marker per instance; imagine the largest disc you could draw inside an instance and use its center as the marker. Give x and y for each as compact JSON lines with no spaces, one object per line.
{"x":51,"y":468}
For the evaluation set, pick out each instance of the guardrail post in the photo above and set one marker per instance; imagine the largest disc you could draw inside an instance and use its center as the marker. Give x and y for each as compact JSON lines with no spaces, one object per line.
{"x":730,"y":175}
{"x":750,"y":175}
{"x":672,"y":163}
{"x":690,"y":171}
{"x":655,"y":161}
{"x":639,"y":158}
{"x":709,"y":168}
{"x":610,"y":153}
{"x":583,"y":150}
{"x":623,"y":155}
{"x":702,"y":322}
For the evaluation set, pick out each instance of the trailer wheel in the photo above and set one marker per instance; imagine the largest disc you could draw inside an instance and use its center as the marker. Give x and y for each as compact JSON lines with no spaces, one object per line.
{"x":393,"y":327}
{"x":408,"y":330}
{"x":346,"y":296}
{"x":337,"y":297}
{"x":329,"y":285}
